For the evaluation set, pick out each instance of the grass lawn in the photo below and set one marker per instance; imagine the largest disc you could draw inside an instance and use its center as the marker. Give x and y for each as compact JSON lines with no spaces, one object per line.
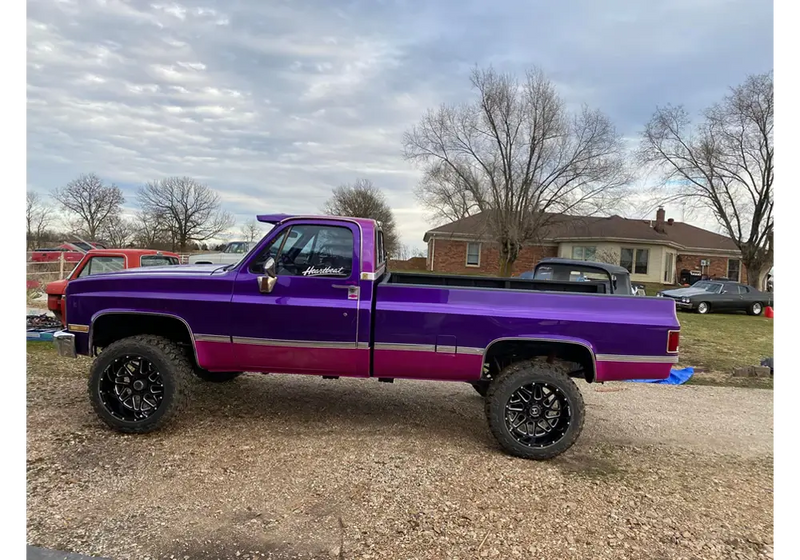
{"x":718,"y":343}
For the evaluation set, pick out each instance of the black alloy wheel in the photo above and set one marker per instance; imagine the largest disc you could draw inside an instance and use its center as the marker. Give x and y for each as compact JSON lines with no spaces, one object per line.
{"x":138,"y":383}
{"x":535,"y":410}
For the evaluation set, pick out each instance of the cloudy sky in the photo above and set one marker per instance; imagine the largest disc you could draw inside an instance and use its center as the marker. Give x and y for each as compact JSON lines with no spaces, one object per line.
{"x":273,"y":103}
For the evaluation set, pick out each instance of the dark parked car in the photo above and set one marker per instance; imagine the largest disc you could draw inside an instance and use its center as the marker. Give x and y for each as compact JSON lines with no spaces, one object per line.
{"x":723,"y":295}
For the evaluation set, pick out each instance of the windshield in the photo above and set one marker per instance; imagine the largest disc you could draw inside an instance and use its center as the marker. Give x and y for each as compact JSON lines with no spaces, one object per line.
{"x":708,"y":286}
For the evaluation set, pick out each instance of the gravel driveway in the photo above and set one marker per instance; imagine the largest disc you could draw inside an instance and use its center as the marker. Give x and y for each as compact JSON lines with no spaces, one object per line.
{"x":295,"y":467}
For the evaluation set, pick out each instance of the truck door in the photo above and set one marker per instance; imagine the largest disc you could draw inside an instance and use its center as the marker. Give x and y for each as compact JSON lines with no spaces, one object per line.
{"x":308,"y":322}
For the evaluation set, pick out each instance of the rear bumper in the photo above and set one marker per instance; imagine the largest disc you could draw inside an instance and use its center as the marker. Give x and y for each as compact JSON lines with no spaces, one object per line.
{"x":65,"y":344}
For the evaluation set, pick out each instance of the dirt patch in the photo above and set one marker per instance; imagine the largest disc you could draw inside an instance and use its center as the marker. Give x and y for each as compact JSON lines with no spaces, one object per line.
{"x":297,"y":467}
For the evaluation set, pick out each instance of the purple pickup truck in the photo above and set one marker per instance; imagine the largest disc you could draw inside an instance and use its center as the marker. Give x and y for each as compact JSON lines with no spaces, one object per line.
{"x":314,"y":297}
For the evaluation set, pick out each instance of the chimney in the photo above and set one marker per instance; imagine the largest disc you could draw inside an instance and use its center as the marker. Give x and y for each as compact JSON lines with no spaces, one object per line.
{"x":660,"y":215}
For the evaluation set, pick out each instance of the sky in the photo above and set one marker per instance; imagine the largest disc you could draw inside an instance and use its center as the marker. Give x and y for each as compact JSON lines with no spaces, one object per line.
{"x":274,"y":103}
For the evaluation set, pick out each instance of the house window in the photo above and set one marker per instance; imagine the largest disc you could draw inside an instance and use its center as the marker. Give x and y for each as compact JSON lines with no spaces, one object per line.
{"x":473,"y":254}
{"x":734,"y":267}
{"x":634,"y":260}
{"x":642,"y":257}
{"x":583,"y":253}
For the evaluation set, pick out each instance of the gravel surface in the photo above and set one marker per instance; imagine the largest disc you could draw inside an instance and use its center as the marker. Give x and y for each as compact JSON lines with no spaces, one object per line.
{"x":300,"y":467}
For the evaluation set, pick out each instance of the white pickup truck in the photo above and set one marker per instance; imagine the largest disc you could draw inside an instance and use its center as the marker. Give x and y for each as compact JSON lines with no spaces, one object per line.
{"x":231,"y":254}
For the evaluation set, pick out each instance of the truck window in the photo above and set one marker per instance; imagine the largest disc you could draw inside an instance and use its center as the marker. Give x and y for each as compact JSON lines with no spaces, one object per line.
{"x":311,"y":250}
{"x":99,"y":265}
{"x":157,"y":260}
{"x":380,"y":250}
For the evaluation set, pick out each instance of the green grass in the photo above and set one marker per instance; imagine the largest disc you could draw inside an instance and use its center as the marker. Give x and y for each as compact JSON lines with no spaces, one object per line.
{"x":718,"y":343}
{"x":40,"y":346}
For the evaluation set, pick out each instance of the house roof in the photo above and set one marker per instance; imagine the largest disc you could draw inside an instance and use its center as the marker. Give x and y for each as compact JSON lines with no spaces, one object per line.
{"x":561,"y":228}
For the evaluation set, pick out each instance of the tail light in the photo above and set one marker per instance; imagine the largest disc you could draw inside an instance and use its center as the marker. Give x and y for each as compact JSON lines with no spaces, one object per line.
{"x":673,"y":340}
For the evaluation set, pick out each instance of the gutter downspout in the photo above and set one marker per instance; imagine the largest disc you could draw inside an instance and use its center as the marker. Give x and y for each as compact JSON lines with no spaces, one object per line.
{"x":433,"y":250}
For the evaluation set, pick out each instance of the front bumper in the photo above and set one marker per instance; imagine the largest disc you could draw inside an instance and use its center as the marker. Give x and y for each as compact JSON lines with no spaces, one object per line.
{"x":65,"y":344}
{"x":682,"y":305}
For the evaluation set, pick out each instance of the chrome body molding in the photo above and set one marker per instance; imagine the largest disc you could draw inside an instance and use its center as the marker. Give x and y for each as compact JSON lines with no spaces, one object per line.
{"x":429,"y":348}
{"x":637,"y":359}
{"x":212,"y":338}
{"x":405,"y":347}
{"x":293,"y":343}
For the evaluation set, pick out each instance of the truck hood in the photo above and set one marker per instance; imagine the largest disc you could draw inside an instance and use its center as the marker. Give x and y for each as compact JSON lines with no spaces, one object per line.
{"x":56,"y":288}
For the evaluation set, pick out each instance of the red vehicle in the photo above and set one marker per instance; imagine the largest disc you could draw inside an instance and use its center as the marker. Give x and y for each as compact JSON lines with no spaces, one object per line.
{"x":73,"y":252}
{"x":98,"y":261}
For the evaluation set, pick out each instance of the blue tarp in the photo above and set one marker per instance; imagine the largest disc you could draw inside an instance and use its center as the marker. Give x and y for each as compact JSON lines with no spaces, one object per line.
{"x":41,"y":334}
{"x":676,"y":377}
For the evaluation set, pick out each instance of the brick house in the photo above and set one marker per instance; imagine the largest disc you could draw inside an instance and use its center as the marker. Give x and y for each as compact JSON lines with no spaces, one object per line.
{"x":655,"y":251}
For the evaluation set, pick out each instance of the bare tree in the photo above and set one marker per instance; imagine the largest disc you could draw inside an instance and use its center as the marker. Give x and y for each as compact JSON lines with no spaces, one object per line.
{"x":725,"y":164}
{"x":251,"y":231}
{"x":38,"y":218}
{"x":91,"y":202}
{"x":362,"y":199}
{"x":150,"y":229}
{"x":190,"y":210}
{"x":607,"y":255}
{"x":517,"y":156}
{"x":444,"y":194}
{"x":119,"y":231}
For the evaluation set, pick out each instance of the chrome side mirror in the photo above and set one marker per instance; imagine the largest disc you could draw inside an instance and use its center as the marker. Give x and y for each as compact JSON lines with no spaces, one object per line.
{"x":267,"y":282}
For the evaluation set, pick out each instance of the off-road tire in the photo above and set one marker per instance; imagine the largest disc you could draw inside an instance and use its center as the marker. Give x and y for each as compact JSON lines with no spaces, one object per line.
{"x":707,"y":308}
{"x":481,"y":387}
{"x":172,"y":364}
{"x":751,"y":310}
{"x":512,"y":378}
{"x":215,"y":376}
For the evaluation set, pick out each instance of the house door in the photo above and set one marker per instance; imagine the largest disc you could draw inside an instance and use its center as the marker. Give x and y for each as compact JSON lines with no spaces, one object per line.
{"x":669,"y":268}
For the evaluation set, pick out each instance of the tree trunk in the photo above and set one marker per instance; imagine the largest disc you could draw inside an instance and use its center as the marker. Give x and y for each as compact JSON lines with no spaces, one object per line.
{"x":509,"y":252}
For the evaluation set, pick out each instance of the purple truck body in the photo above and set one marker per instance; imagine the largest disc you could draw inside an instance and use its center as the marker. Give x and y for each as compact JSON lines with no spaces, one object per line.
{"x":366,"y":326}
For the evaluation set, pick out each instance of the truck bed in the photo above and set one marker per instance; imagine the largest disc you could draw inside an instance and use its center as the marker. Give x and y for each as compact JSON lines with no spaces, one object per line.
{"x":489,"y":282}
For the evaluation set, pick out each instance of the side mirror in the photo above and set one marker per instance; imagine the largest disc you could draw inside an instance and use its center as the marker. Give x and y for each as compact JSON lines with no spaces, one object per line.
{"x":267,"y":282}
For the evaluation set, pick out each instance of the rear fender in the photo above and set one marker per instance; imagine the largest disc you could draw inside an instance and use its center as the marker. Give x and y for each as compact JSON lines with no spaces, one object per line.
{"x":586,"y":349}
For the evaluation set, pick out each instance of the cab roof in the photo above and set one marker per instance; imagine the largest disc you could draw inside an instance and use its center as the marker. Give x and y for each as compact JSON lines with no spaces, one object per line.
{"x":610,"y":268}
{"x":278,"y":218}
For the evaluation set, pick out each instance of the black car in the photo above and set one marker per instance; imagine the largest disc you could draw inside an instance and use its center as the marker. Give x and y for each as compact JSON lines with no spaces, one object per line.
{"x":710,"y":295}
